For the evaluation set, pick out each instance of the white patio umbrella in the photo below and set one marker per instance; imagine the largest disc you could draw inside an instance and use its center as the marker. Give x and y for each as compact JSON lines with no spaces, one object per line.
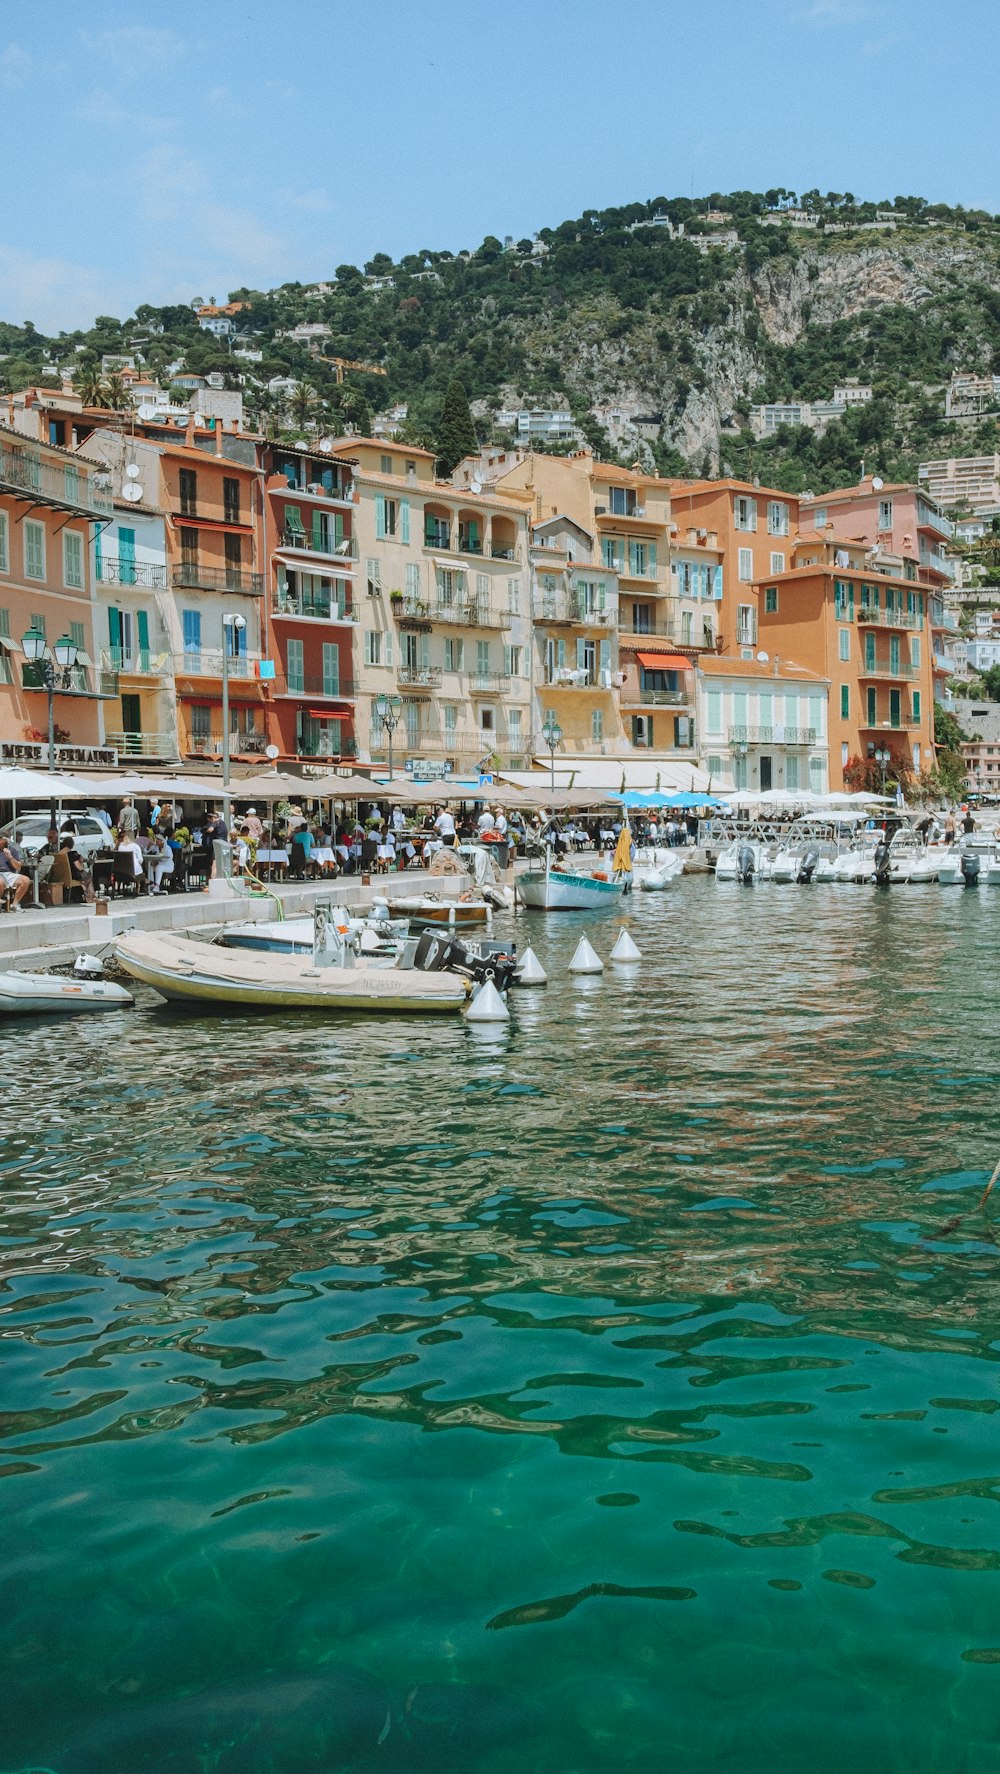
{"x":41,"y":785}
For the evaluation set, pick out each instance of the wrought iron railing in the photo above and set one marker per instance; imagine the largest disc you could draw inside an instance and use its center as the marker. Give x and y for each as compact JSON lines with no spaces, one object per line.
{"x":112,"y":570}
{"x":199,"y":578}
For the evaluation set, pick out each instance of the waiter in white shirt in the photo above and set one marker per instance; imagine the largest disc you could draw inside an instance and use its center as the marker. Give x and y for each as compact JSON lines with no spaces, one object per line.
{"x":444,"y":825}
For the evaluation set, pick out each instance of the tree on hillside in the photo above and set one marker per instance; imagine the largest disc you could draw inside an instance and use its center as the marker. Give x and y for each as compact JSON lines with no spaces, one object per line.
{"x":302,"y":403}
{"x":456,"y":433}
{"x":90,"y":385}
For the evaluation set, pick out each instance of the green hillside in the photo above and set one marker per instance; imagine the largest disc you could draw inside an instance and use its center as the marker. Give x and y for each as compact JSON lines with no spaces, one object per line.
{"x":615,"y":306}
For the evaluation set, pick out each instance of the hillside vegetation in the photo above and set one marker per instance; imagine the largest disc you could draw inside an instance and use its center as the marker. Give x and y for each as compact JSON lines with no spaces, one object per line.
{"x":602,"y":310}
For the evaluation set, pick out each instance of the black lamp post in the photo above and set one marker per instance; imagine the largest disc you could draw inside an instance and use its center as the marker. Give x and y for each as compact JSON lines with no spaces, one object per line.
{"x":64,"y":652}
{"x":387,"y":711}
{"x":552,"y":735}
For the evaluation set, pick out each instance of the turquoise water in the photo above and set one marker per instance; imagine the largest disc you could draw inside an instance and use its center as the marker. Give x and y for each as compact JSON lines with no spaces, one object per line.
{"x":616,"y":1391}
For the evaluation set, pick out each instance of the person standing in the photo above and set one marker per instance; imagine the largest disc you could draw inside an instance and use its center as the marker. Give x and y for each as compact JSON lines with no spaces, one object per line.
{"x":444,"y":825}
{"x":128,"y":819}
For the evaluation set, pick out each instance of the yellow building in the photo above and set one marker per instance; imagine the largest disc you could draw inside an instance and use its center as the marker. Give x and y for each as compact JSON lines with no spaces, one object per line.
{"x":445,"y":623}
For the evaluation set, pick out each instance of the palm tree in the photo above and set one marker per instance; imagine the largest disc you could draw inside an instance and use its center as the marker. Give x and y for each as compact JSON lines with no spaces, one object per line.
{"x":301,"y":404}
{"x":115,"y":393}
{"x":90,"y":386}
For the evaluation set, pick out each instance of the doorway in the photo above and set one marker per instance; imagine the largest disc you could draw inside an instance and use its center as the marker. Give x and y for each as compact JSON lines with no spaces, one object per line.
{"x":766,"y":774}
{"x":131,"y":714}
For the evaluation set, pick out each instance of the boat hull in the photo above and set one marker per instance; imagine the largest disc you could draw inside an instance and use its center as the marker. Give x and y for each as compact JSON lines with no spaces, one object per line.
{"x":196,"y":973}
{"x":558,"y":892}
{"x":454,"y":914}
{"x":49,"y":994}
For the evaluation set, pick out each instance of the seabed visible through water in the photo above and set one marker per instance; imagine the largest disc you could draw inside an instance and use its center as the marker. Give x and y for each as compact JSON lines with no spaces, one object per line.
{"x":612,"y":1390}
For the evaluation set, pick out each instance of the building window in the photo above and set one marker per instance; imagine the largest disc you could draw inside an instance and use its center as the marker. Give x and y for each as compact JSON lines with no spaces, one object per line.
{"x":189,"y":493}
{"x":746,"y":625}
{"x":777,"y":518}
{"x":914,"y":649}
{"x":845,"y":754}
{"x":745,"y":569}
{"x":514,"y":728}
{"x":454,"y":654}
{"x":373,"y":646}
{"x":385,"y":516}
{"x":295,"y":659}
{"x":844,"y":638}
{"x":597,"y":725}
{"x":771,"y":600}
{"x":845,"y":702}
{"x":385,"y":464}
{"x":745,"y":513}
{"x":34,"y":550}
{"x":713,"y":711}
{"x":916,"y":705}
{"x":73,"y":560}
{"x":885,"y":514}
{"x":201,"y":724}
{"x":189,"y":548}
{"x":373,"y":574}
{"x":514,"y":596}
{"x":233,"y":546}
{"x":191,"y":621}
{"x":331,"y":668}
{"x":4,"y":544}
{"x":791,"y":771}
{"x":231,"y":500}
{"x":777,"y":563}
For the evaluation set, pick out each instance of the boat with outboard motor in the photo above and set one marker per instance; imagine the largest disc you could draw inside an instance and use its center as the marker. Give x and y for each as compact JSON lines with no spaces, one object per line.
{"x":204,"y":974}
{"x":569,"y":890}
{"x":973,"y":862}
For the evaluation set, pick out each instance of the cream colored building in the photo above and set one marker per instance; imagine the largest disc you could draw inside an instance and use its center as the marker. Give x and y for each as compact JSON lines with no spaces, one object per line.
{"x":445,"y":621}
{"x":763,"y":724}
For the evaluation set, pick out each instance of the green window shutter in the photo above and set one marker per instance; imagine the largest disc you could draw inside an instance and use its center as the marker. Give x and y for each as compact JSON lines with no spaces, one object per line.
{"x":871,"y":705}
{"x":633,"y":557}
{"x":869,"y":652}
{"x":293,"y":519}
{"x":404,"y":520}
{"x":651,"y":554}
{"x":425,"y":652}
{"x":845,"y":702}
{"x":142,"y":625}
{"x":380,"y":516}
{"x":581,"y":657}
{"x":115,"y":630}
{"x":4,"y":551}
{"x":331,"y":668}
{"x":601,"y":596}
{"x":608,"y":552}
{"x":916,"y":705}
{"x":606,"y":656}
{"x":561,"y":654}
{"x":713,"y":711}
{"x":318,"y":530}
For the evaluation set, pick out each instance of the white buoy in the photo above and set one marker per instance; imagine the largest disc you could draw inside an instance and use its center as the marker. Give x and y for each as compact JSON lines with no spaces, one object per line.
{"x":585,"y":959}
{"x":487,"y":1006}
{"x":625,"y":949}
{"x":530,"y":971}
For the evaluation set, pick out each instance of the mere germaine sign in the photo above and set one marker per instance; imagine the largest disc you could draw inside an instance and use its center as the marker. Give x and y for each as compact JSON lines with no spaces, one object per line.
{"x":66,"y":755}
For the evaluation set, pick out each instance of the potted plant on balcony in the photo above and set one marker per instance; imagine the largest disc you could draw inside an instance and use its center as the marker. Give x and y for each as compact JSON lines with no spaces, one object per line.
{"x":396,"y":600}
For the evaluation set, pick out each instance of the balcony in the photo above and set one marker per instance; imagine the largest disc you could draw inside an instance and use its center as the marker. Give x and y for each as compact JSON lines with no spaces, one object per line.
{"x":904,"y":724}
{"x":772,"y":735}
{"x":490,"y":683}
{"x":207,"y":663}
{"x":315,"y":684}
{"x":664,"y":630}
{"x":564,"y":678}
{"x":144,"y":745}
{"x":115,"y":571}
{"x":344,"y":548}
{"x":61,"y":486}
{"x":882,"y":668}
{"x":426,"y":677}
{"x":137,"y":663}
{"x":658,"y":698}
{"x":472,"y":615}
{"x":241,"y":745}
{"x":81,"y":681}
{"x":410,"y":609}
{"x":871,"y":618}
{"x":286,"y":603}
{"x":197,"y":578}
{"x":632,"y":570}
{"x":500,"y":552}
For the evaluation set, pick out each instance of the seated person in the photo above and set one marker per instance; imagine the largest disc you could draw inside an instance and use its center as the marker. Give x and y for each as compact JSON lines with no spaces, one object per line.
{"x":159,"y":862}
{"x":127,"y":846}
{"x":68,"y":872}
{"x":13,"y":882}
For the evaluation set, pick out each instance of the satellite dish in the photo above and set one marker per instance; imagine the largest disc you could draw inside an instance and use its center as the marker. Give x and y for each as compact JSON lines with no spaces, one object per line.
{"x":132,"y":492}
{"x":763,"y":658}
{"x":877,"y":483}
{"x":476,"y":484}
{"x":132,"y":471}
{"x":271,"y":751}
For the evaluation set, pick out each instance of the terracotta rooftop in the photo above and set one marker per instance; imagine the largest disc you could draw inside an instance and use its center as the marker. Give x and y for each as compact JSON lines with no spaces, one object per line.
{"x":715,"y":665}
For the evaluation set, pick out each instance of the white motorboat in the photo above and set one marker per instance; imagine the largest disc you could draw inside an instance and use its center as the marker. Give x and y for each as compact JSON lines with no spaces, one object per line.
{"x":662,"y":874}
{"x":569,"y":890}
{"x":295,"y":936}
{"x":910,"y":861}
{"x":202,"y":973}
{"x":47,"y":994}
{"x":972,"y":862}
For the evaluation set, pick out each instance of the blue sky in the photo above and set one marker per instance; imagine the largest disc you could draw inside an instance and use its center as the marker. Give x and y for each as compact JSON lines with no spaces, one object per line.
{"x":169,"y":151}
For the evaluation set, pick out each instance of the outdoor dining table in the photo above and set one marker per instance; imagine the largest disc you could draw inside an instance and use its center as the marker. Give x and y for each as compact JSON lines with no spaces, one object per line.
{"x":325,"y":857}
{"x":279,"y":857}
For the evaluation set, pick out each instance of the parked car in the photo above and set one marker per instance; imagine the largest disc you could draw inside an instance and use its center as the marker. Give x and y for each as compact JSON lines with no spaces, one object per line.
{"x":91,"y":835}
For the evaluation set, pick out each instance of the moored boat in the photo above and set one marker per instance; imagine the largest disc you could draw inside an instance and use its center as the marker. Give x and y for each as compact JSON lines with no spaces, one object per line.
{"x":567,"y":890}
{"x":41,"y":994}
{"x":457,"y":914}
{"x":202,"y":973}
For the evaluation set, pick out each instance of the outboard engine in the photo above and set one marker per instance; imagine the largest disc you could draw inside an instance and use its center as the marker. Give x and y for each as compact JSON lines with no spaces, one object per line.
{"x":807,"y":868}
{"x":745,"y":864}
{"x":436,"y":953}
{"x":970,"y":866}
{"x":883,"y":864}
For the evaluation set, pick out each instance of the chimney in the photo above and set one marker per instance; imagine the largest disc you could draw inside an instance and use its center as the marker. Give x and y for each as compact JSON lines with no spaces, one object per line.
{"x":777,"y":664}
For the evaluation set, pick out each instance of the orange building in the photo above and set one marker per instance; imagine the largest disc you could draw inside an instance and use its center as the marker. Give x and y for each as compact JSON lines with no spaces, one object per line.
{"x":50,"y":506}
{"x":749,"y":530}
{"x":867,"y":632}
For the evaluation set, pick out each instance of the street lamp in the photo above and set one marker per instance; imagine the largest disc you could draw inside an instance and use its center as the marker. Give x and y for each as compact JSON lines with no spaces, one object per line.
{"x":231,"y":626}
{"x":552,"y":735}
{"x":387,"y":711}
{"x":883,"y":759}
{"x":37,"y":653}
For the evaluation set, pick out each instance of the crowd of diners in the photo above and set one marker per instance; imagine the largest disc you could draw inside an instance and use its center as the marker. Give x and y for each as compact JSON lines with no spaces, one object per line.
{"x":161,"y":845}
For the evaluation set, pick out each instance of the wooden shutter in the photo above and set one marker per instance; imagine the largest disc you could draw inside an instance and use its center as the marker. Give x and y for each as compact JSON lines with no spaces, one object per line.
{"x":404,"y":520}
{"x":380,"y":516}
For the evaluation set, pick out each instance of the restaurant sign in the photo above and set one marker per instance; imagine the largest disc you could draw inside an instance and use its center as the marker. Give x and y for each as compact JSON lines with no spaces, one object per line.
{"x":67,"y":756}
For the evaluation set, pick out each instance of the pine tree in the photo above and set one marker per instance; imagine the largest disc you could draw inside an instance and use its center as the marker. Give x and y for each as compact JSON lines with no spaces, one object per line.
{"x":456,"y":434}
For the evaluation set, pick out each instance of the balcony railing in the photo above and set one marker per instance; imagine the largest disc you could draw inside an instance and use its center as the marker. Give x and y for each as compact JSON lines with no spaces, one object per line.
{"x":285,"y":603}
{"x":884,"y":668}
{"x":115,"y":571}
{"x":472,"y":614}
{"x":413,"y":609}
{"x":342,"y":548}
{"x":566,"y":678}
{"x":427,"y":676}
{"x":491,"y":682}
{"x":207,"y":663}
{"x":499,"y":551}
{"x":665,"y":630}
{"x":904,"y":722}
{"x":776,"y":735}
{"x":199,"y":578}
{"x":241,"y":745}
{"x":64,"y":486}
{"x":659,"y":698}
{"x":144,"y":745}
{"x":889,"y":618}
{"x":315,"y":684}
{"x":139,"y":662}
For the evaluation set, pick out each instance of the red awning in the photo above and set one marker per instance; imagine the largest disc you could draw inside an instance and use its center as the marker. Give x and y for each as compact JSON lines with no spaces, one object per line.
{"x":664,"y":661}
{"x":326,"y":714}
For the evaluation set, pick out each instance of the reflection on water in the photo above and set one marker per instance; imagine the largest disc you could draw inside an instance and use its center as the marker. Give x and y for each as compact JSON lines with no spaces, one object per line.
{"x":612,"y":1387}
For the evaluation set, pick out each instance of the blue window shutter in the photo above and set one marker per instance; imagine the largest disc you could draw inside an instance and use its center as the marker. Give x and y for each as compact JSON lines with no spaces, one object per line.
{"x":404,"y":520}
{"x":142,"y":623}
{"x":581,"y":657}
{"x":651,"y":550}
{"x":380,"y":516}
{"x":605,"y":655}
{"x":425,"y":651}
{"x":192,"y":631}
{"x":718,"y":584}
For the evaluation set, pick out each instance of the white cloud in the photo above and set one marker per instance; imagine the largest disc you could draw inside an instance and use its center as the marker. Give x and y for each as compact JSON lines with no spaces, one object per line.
{"x":313,"y":203}
{"x":57,"y":294}
{"x":192,"y":236}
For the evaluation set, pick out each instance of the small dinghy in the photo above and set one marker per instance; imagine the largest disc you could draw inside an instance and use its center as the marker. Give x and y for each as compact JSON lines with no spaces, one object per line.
{"x":45,"y":994}
{"x":202,"y":973}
